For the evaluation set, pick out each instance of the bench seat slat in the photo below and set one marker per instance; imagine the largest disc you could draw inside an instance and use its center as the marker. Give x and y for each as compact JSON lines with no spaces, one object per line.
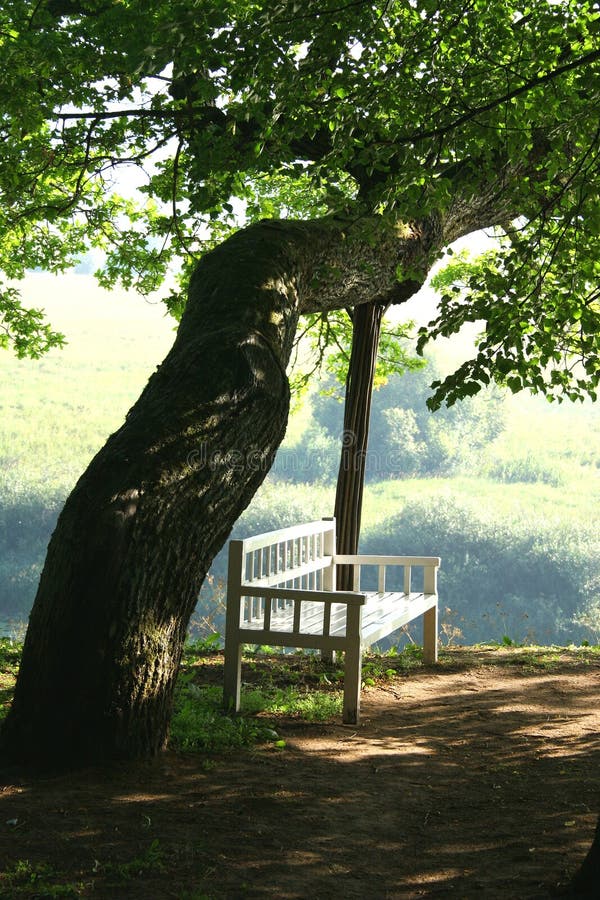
{"x":383,"y":614}
{"x":386,"y":613}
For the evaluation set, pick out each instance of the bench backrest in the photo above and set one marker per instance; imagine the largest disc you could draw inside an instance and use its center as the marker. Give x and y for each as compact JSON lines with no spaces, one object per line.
{"x":300,"y":556}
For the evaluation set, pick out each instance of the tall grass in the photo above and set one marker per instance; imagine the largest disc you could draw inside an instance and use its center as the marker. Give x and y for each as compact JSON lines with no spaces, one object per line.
{"x":58,"y":411}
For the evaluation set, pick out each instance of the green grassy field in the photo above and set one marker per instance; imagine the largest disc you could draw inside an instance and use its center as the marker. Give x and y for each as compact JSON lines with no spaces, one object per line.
{"x":541,"y":475}
{"x":58,"y":411}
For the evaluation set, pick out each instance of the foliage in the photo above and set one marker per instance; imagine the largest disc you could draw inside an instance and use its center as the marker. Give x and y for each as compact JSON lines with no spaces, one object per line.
{"x":524,"y":469}
{"x":330,"y":339}
{"x":10,"y":655}
{"x":538,"y":298}
{"x":588,"y":615}
{"x":24,"y":329}
{"x":314,"y":458}
{"x":395,"y":113}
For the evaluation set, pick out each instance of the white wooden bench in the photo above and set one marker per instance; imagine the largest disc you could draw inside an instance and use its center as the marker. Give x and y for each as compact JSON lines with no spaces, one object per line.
{"x":281,"y":591}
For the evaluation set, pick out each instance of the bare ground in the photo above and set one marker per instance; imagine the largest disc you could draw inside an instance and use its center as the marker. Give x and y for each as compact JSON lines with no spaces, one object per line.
{"x":476,"y":780}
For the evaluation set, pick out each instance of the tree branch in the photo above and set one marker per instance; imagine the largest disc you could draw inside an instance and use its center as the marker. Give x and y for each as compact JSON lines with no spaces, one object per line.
{"x":417,"y":136}
{"x":122,"y":114}
{"x":212,"y":113}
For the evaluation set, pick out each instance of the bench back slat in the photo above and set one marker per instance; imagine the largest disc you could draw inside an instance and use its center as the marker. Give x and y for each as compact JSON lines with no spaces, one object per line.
{"x":322,"y":526}
{"x":304,"y":572}
{"x":366,"y":559}
{"x":300,"y":556}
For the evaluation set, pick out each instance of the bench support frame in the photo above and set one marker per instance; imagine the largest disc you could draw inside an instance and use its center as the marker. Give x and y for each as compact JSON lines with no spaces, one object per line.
{"x":281,"y":591}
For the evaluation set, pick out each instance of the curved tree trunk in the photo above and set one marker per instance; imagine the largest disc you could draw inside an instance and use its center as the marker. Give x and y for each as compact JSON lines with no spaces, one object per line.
{"x":137,"y":534}
{"x":143,"y":524}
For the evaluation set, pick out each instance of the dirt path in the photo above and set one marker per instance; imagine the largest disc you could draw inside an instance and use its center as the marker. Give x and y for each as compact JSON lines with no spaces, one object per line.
{"x":476,"y":782}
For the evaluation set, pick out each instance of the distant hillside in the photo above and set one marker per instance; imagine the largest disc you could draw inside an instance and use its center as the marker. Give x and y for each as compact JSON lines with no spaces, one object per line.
{"x":533,"y":491}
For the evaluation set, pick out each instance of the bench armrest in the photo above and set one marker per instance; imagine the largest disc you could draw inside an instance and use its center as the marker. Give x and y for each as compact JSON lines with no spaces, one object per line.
{"x":365,"y":559}
{"x":358,"y":560}
{"x":350,"y":598}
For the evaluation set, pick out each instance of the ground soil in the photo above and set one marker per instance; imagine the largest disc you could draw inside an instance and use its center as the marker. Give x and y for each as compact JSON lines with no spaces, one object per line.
{"x":476,"y":780}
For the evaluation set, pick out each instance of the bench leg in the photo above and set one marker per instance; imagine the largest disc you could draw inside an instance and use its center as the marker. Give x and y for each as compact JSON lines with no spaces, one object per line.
{"x":232,"y":676}
{"x":352,"y":682}
{"x":430,"y":635}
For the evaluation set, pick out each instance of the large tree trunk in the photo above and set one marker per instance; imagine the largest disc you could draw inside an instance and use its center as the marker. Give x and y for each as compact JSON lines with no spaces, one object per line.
{"x":138,"y":533}
{"x":136,"y":536}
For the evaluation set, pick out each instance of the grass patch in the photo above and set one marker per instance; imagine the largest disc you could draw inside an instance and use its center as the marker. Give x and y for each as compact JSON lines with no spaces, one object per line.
{"x":274,"y":691}
{"x":10,"y":655}
{"x":152,"y":859}
{"x":43,"y":880}
{"x":554,"y":658}
{"x":199,"y":722}
{"x":25,"y":879}
{"x":526,"y":658}
{"x":298,"y":685}
{"x":313,"y":706}
{"x":519,"y":502}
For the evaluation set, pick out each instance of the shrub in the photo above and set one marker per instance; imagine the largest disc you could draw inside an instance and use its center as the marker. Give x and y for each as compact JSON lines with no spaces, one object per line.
{"x":498,"y":576}
{"x":315,"y":458}
{"x":524,"y":469}
{"x":406,"y":439}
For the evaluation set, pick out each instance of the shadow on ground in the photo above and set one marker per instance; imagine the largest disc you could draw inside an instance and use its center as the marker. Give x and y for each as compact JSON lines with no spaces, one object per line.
{"x":478,"y":782}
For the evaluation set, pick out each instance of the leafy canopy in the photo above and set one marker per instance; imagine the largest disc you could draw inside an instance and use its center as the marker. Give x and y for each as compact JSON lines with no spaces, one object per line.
{"x":152,"y":129}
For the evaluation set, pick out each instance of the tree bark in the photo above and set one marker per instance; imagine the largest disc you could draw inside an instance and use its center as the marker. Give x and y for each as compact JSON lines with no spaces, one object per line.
{"x":584,"y":884}
{"x":366,"y":328}
{"x":136,"y":536}
{"x":139,"y":531}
